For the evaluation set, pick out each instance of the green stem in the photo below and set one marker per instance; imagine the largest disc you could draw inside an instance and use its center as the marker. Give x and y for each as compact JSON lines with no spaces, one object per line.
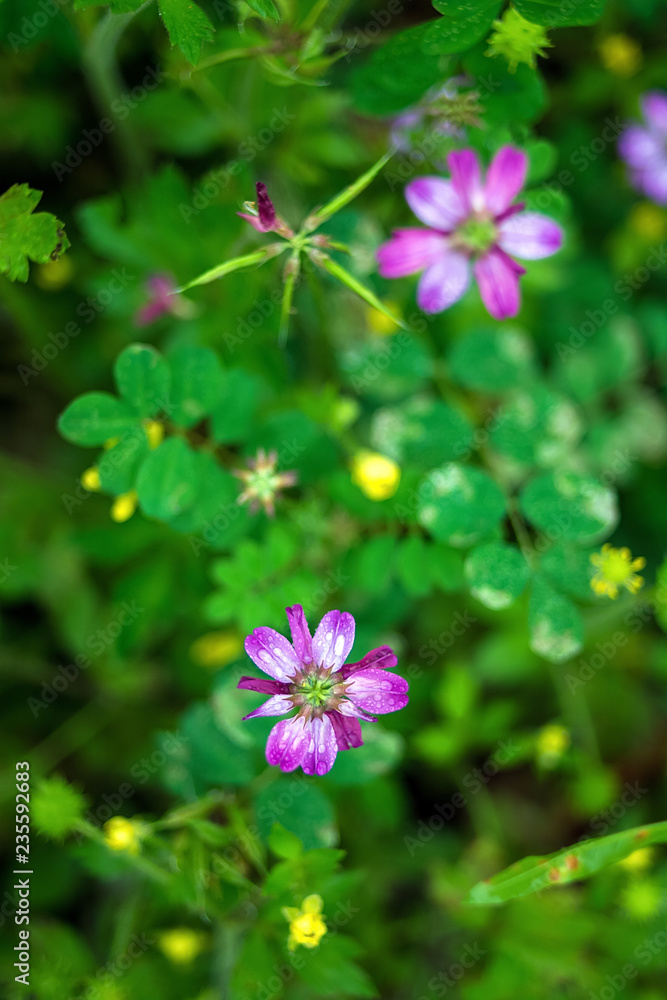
{"x":231,"y":54}
{"x":106,"y":85}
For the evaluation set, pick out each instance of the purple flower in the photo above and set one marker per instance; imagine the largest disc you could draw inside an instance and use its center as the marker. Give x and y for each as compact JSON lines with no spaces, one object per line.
{"x":262,"y":216}
{"x":310,"y":674}
{"x":162,"y":299}
{"x":472,"y":223}
{"x":644,"y":148}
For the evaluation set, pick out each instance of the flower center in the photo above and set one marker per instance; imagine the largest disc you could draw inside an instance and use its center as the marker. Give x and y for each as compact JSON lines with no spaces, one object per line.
{"x":316,"y":691}
{"x":477,"y":234}
{"x":616,"y":567}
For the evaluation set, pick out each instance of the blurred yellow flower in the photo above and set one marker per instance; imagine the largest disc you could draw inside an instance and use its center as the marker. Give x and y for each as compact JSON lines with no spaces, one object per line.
{"x":552,"y":742}
{"x":376,"y":475}
{"x":182,"y":944}
{"x":616,"y":568}
{"x":124,"y":506}
{"x":122,"y":834}
{"x":306,"y":926}
{"x":90,"y":479}
{"x":379,"y":322}
{"x":154,"y":432}
{"x":620,"y":55}
{"x":216,"y":649}
{"x":54,"y":274}
{"x":639,"y":860}
{"x":642,"y":898}
{"x":649,"y":221}
{"x":111,"y":443}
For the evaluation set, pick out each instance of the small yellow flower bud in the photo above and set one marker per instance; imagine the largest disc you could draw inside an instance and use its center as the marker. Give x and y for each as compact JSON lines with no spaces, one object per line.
{"x":122,"y":834}
{"x":639,"y":860}
{"x":306,"y":926}
{"x":616,"y":568}
{"x":55,"y":274}
{"x":182,"y":944}
{"x":124,"y":507}
{"x":154,"y":432}
{"x":649,"y":221}
{"x":552,"y":742}
{"x":90,"y":479}
{"x":642,"y":899}
{"x":216,"y":649}
{"x":376,"y":475}
{"x":620,"y":55}
{"x":379,"y":322}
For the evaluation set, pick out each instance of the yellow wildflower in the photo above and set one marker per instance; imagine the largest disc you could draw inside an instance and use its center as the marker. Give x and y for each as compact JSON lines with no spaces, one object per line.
{"x":379,"y":322}
{"x":620,"y":55}
{"x":124,"y":506}
{"x":182,"y":944}
{"x":376,"y":475}
{"x":122,"y":834}
{"x":649,"y":221}
{"x":55,"y":274}
{"x":90,"y":479}
{"x":642,"y":898}
{"x":154,"y":432}
{"x":306,"y":926}
{"x":216,"y":649}
{"x":616,"y":568}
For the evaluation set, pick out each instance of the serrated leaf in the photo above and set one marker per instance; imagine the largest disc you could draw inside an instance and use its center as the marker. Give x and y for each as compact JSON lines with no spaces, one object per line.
{"x":26,"y":234}
{"x":168,"y":481}
{"x":265,"y":9}
{"x":94,"y":418}
{"x":143,"y":376}
{"x":571,"y":864}
{"x":188,"y":27}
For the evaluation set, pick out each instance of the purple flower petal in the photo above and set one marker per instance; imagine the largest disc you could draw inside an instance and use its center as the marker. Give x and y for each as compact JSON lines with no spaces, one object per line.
{"x":444,"y":282}
{"x":435,"y":202}
{"x":347,"y":730}
{"x":504,"y":179}
{"x":278,"y":705}
{"x":272,"y":653}
{"x":301,"y":639}
{"x":263,"y":685}
{"x":638,"y":146}
{"x":408,"y":251}
{"x":322,"y":749}
{"x":383,"y":657}
{"x":498,"y":278}
{"x":653,"y":182}
{"x":378,"y":691}
{"x":253,"y":220}
{"x":466,"y":178}
{"x":654,"y":108}
{"x":530,"y":235}
{"x":334,"y":639}
{"x":350,"y":709}
{"x":287,"y":743}
{"x":267,"y":213}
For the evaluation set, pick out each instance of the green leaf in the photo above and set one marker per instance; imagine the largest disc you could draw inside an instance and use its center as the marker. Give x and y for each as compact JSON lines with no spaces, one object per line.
{"x":118,"y":466}
{"x":26,"y":234}
{"x":556,"y":628}
{"x":398,"y":73}
{"x":196,"y":384}
{"x":571,"y":864}
{"x":568,"y":569}
{"x":413,"y":565}
{"x":338,"y":272}
{"x":212,"y":758}
{"x":517,"y":97}
{"x":95,"y":417}
{"x":557,"y":14}
{"x":320,"y":215}
{"x":332,"y":971}
{"x":536,"y":426}
{"x":283,"y":843}
{"x":215,"y":517}
{"x":236,"y":264}
{"x":300,"y":807}
{"x":232,"y":419}
{"x":492,"y":360}
{"x":143,"y":376}
{"x":570,"y":507}
{"x":421,"y":432}
{"x":459,"y":504}
{"x":496,"y":573}
{"x":265,"y":9}
{"x":168,"y":483}
{"x":463,"y":24}
{"x":446,"y":566}
{"x":374,"y":563}
{"x":188,"y":27}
